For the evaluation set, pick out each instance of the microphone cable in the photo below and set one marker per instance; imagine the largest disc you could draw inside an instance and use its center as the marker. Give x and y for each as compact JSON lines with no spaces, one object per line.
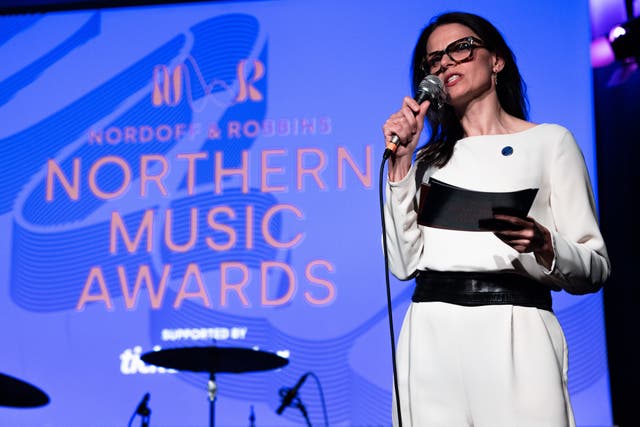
{"x":324,"y":405}
{"x":388,"y":287}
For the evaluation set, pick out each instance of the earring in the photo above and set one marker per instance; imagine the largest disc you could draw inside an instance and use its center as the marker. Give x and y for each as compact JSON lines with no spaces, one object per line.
{"x":495,"y":78}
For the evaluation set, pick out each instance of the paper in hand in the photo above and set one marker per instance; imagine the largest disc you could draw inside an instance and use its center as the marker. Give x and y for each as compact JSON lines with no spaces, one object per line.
{"x":446,"y":206}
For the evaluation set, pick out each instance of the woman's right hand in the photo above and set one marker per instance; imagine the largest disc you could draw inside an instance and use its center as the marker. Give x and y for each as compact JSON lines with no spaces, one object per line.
{"x":407,"y":123}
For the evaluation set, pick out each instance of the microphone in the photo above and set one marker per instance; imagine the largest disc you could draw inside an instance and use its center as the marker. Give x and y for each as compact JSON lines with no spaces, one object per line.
{"x":290,"y":394}
{"x":431,"y":88}
{"x":142,"y":408}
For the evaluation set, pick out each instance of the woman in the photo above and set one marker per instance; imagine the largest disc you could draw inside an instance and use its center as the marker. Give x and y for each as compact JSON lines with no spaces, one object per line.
{"x":480,"y":345}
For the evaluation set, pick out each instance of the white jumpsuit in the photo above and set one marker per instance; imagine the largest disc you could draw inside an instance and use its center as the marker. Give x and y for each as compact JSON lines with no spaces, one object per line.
{"x":497,"y":365}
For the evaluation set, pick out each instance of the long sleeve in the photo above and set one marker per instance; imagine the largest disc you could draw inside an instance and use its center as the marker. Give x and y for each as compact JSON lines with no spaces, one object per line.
{"x":404,"y":239}
{"x":581,"y":262}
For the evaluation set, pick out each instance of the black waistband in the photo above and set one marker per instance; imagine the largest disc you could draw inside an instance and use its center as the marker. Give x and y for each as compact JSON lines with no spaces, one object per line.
{"x":473,"y":289}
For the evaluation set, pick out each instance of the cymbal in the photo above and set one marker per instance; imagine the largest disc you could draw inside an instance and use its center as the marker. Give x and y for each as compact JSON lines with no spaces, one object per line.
{"x":215,"y":359}
{"x":20,"y":394}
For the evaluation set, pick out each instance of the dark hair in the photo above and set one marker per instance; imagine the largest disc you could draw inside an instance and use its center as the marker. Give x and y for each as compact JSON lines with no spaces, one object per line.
{"x":446,"y":129}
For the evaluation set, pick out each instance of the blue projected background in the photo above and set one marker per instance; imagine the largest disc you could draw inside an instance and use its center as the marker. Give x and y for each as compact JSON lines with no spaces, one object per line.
{"x":205,"y":174}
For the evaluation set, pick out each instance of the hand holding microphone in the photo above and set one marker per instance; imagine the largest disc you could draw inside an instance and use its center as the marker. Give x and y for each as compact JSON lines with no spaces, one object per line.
{"x":406,"y":124}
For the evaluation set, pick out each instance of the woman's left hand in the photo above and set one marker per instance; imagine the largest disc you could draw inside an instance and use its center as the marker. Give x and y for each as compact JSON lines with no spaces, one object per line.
{"x":526,"y":235}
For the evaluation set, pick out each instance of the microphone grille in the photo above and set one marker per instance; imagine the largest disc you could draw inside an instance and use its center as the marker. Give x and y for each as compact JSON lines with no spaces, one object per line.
{"x":432,"y":81}
{"x":434,"y":90}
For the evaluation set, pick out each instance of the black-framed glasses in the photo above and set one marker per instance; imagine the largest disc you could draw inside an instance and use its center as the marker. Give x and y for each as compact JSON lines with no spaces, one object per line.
{"x":458,"y":51}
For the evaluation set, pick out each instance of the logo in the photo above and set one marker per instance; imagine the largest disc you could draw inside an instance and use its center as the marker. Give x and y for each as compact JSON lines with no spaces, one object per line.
{"x":171,"y":87}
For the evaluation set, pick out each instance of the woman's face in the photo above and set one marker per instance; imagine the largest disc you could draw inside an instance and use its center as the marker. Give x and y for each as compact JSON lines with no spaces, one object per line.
{"x":469,"y":74}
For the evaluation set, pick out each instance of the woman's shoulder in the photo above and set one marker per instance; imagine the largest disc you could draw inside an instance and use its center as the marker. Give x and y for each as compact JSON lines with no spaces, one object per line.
{"x":551,"y":128}
{"x":554,"y":133}
{"x":556,"y":140}
{"x":549,"y":132}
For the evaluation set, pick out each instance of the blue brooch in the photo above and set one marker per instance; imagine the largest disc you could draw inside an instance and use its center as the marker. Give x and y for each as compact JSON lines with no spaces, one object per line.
{"x":507,"y":151}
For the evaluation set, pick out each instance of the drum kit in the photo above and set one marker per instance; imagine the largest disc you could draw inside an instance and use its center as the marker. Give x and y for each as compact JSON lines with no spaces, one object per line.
{"x":213,"y":360}
{"x":210,"y":360}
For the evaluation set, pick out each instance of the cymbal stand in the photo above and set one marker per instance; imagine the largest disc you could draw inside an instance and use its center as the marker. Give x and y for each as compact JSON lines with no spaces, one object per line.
{"x":212,"y":389}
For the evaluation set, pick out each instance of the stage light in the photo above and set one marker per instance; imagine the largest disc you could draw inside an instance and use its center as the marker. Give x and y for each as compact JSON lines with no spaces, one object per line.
{"x":625,"y":40}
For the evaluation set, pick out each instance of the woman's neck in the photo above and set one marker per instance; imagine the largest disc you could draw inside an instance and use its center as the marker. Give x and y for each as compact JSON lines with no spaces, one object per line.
{"x":484,"y":116}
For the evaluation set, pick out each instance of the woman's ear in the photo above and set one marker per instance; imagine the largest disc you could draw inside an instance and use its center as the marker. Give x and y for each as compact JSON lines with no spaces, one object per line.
{"x":498,"y":64}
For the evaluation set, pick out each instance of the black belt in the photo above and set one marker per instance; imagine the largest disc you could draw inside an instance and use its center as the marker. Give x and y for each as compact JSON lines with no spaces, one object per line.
{"x":473,"y":289}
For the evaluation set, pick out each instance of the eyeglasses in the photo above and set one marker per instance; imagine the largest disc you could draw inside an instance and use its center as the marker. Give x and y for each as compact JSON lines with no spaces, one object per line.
{"x":458,"y":51}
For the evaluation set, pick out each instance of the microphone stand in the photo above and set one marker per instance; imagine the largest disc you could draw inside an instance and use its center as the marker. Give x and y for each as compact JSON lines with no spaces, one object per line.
{"x":297,"y":403}
{"x":145,"y":418}
{"x":252,"y":418}
{"x":144,"y":412}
